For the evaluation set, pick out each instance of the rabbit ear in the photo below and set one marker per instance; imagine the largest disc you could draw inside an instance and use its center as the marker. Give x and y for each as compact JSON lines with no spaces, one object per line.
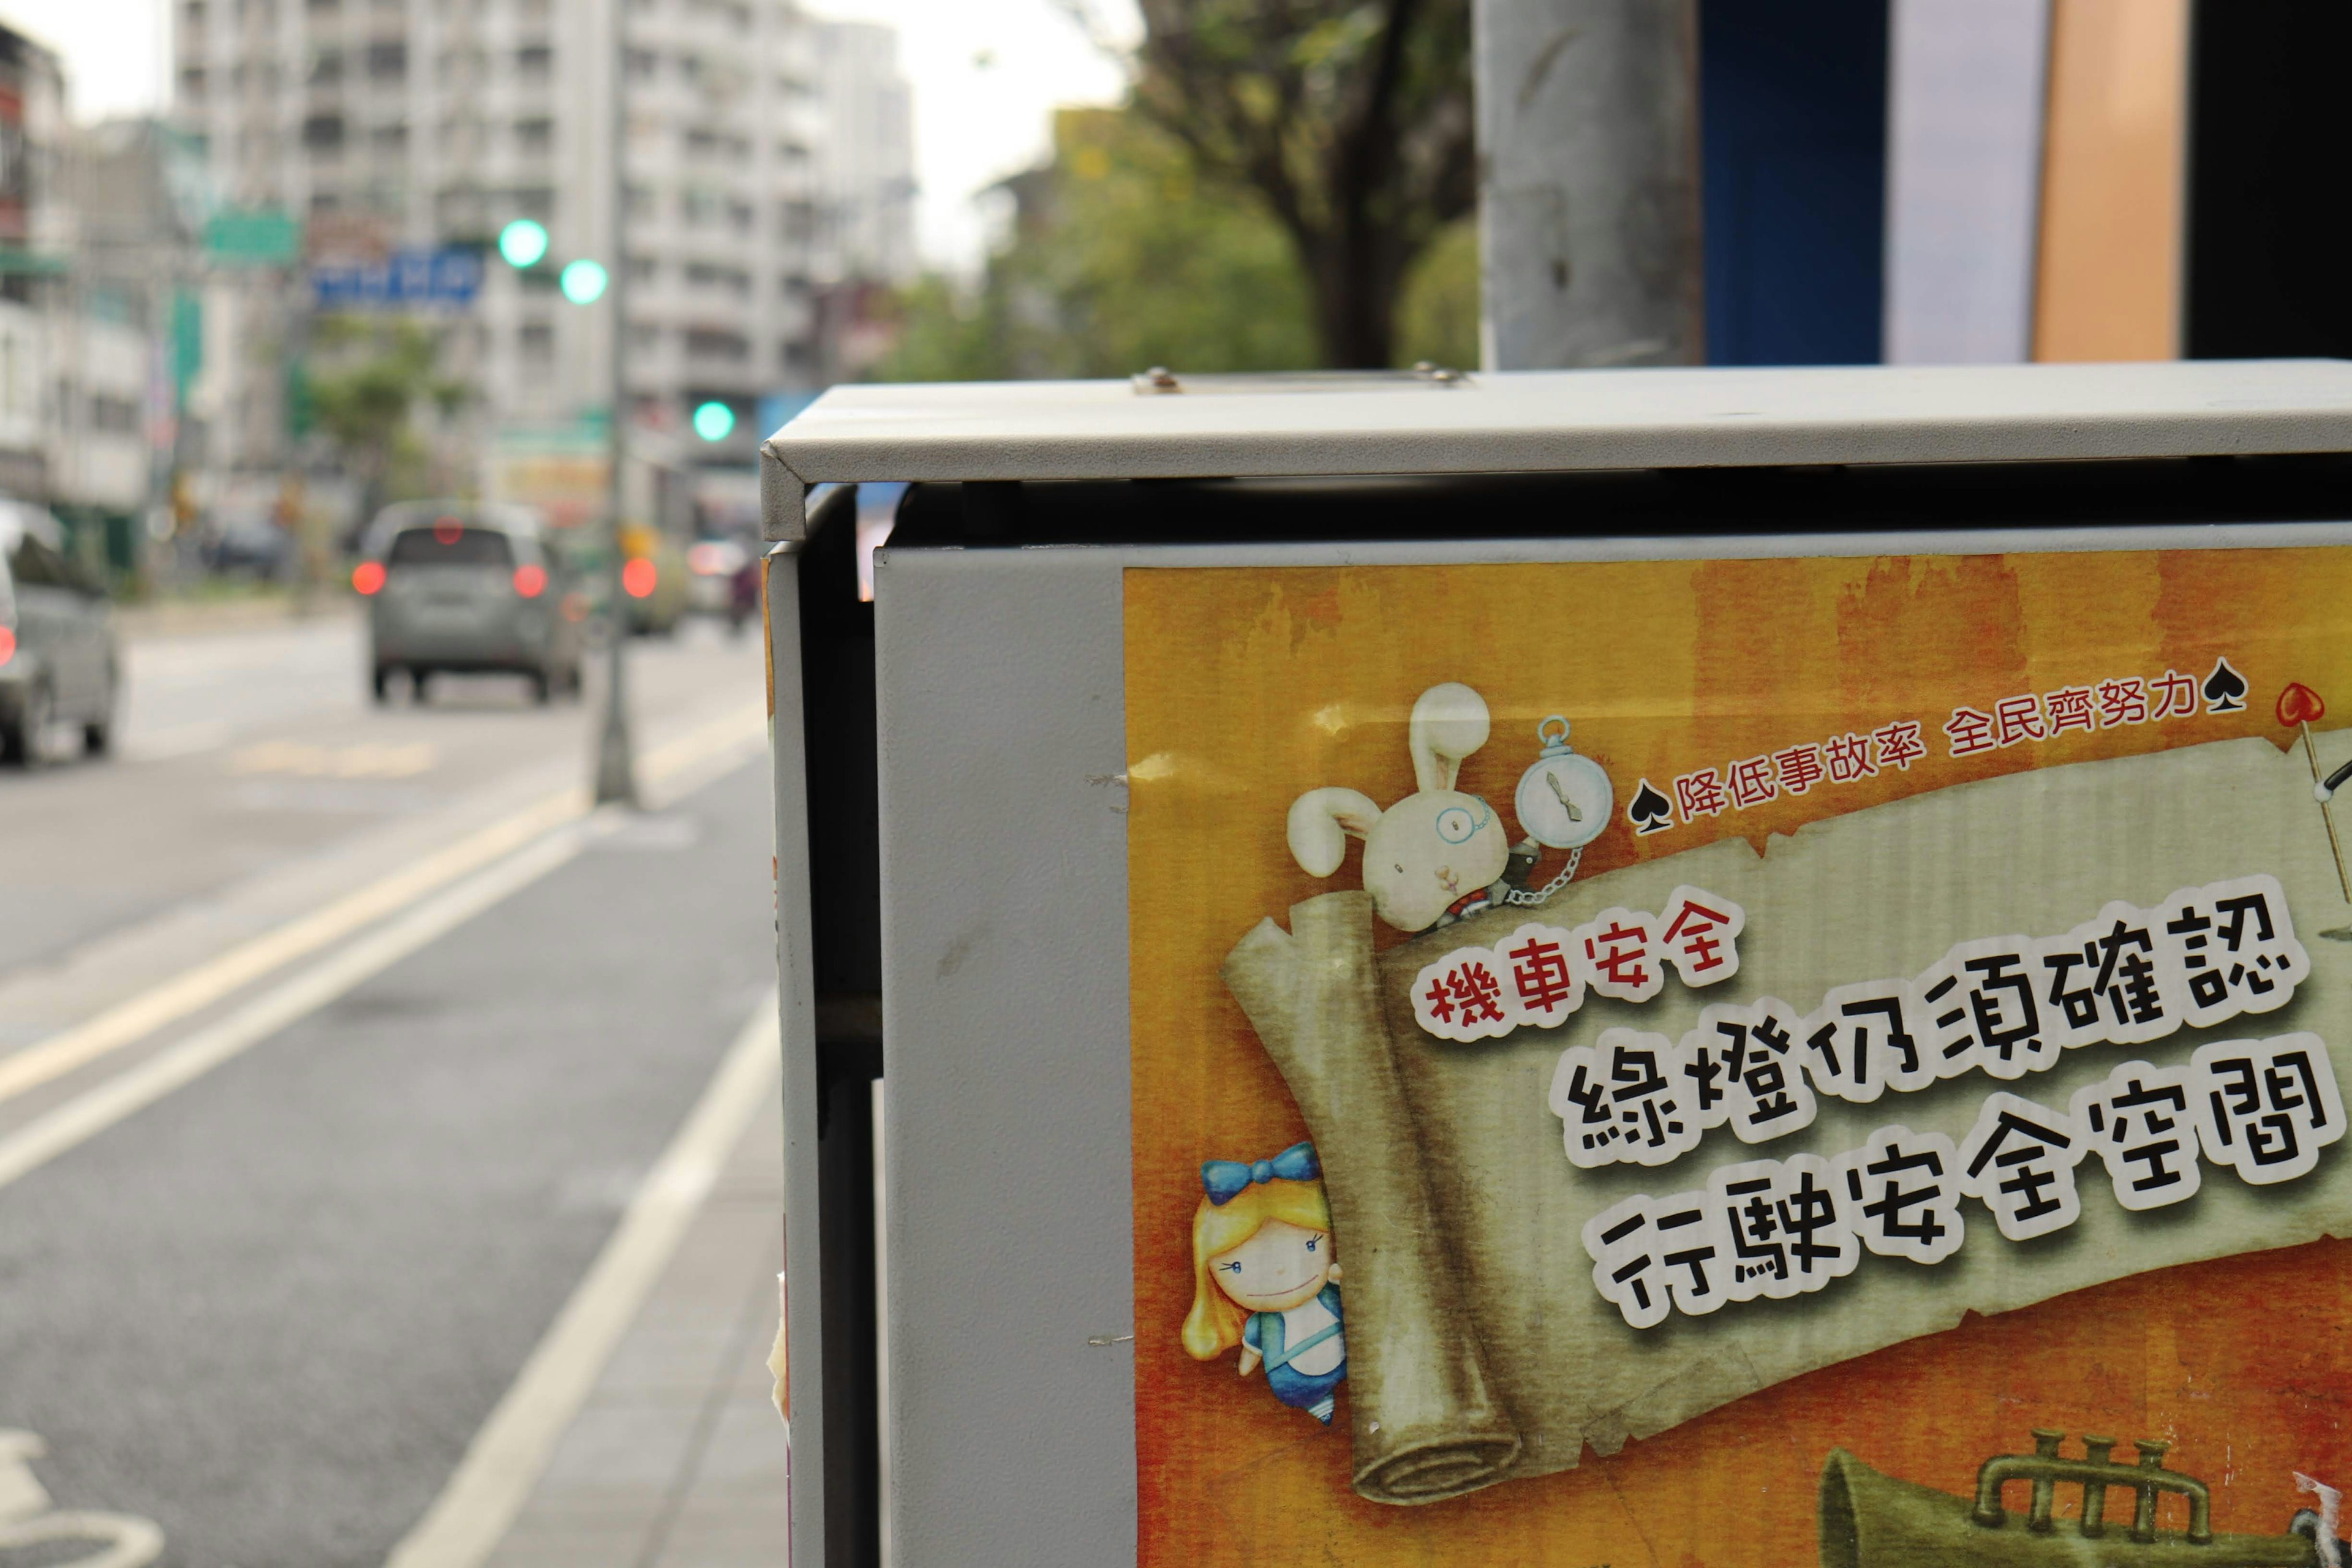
{"x":1448,"y":723}
{"x":1318,"y":821}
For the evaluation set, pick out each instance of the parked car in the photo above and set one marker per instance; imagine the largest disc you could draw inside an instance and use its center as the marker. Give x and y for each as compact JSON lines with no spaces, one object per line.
{"x":247,"y":542}
{"x":467,"y":586}
{"x":58,"y":662}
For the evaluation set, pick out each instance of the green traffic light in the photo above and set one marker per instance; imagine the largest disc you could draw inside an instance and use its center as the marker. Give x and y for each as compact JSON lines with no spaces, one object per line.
{"x":522,"y":242}
{"x":583,"y":281}
{"x":713,"y":421}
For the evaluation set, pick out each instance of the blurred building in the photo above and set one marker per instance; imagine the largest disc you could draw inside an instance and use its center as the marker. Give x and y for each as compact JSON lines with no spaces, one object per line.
{"x":866,"y":158}
{"x":32,"y":260}
{"x":137,"y":200}
{"x":391,"y":125}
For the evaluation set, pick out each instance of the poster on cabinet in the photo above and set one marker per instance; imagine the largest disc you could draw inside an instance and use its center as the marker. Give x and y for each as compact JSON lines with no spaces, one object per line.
{"x":1742,"y":1061}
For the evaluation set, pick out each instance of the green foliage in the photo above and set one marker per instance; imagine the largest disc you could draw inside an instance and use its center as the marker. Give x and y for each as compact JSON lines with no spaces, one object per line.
{"x":1350,"y":119}
{"x":1123,"y":255}
{"x":1437,"y":318}
{"x":380,"y":373}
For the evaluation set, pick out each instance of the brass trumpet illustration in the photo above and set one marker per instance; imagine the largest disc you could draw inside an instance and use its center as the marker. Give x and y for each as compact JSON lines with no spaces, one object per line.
{"x":1873,"y":1520}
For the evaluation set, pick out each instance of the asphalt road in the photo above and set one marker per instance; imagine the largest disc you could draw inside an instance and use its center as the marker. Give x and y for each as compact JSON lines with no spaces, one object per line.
{"x":270,"y":1310}
{"x":242,"y":749}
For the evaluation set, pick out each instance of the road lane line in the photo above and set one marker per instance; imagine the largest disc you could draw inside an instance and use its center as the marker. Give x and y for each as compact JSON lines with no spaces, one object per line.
{"x":198,"y":987}
{"x":507,"y":1456}
{"x":87,"y":1115}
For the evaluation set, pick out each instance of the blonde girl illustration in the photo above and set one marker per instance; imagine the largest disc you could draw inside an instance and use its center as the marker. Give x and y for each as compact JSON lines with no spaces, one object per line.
{"x":1264,"y":1278}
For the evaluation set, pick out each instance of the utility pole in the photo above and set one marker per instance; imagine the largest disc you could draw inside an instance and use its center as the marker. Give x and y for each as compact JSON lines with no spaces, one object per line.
{"x":1588,"y":198}
{"x":616,"y":780}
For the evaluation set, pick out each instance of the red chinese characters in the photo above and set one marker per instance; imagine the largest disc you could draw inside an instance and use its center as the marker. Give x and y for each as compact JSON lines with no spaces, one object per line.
{"x":1538,"y":976}
{"x":1699,"y":936}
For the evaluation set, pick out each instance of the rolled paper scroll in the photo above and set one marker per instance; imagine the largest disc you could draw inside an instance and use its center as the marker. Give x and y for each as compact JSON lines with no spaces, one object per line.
{"x":1426,"y":1425}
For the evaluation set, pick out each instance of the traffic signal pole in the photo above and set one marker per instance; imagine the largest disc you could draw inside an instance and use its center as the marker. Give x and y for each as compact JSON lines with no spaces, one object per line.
{"x":616,"y":781}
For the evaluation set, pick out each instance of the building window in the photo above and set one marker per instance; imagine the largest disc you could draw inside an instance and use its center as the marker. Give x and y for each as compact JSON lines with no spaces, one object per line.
{"x":389,"y":137}
{"x":387,"y":61}
{"x":536,"y":343}
{"x":322,"y":7}
{"x":644,"y":339}
{"x":739,"y":215}
{"x":535,"y":136}
{"x":704,"y":275}
{"x":324,"y":132}
{"x":193,"y":14}
{"x":192,"y":84}
{"x":116,"y":416}
{"x":460,"y":209}
{"x":327,"y":67}
{"x":717,"y":342}
{"x":642,"y":63}
{"x":535,"y":62}
{"x":642,"y":269}
{"x":324,"y":203}
{"x":535,"y":202}
{"x":799,"y":222}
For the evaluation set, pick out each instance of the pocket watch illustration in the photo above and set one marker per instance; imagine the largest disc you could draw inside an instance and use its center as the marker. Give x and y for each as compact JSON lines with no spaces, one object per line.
{"x":1564,"y":797}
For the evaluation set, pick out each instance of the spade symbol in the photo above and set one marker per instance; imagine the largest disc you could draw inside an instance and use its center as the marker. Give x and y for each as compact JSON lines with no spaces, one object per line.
{"x":2225,"y":689}
{"x":1649,"y":811}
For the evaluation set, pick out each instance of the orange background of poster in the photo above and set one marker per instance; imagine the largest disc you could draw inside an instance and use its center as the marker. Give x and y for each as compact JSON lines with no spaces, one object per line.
{"x":1246,"y":686}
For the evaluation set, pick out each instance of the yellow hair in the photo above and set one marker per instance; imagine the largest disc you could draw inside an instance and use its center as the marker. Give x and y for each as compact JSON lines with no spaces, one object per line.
{"x":1215,"y":1324}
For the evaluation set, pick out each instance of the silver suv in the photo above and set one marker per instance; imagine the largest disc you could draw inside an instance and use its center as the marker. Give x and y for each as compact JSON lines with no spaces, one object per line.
{"x":466,"y":586}
{"x":57,"y":657}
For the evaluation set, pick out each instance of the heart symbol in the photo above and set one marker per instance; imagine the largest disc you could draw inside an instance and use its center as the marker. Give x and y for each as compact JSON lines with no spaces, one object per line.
{"x":2299,"y":704}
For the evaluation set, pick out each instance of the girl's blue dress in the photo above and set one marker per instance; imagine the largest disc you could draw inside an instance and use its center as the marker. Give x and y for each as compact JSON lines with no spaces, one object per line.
{"x":1303,"y":1391}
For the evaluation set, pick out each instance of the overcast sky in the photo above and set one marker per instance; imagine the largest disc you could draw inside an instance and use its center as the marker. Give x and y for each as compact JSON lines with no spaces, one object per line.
{"x":987,"y":76}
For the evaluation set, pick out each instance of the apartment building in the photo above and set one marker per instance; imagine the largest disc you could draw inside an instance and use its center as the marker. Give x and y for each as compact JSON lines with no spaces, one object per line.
{"x":866,"y":159}
{"x":420,"y":123}
{"x":32,"y":241}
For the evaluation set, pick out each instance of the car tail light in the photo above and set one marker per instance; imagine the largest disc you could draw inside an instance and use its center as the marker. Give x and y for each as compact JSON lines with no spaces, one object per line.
{"x":7,"y":643}
{"x":639,"y":577}
{"x":367,"y":576}
{"x":530,"y":580}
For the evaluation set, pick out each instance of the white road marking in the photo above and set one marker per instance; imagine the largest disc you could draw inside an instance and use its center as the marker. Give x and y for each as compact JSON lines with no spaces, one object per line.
{"x":179,"y":741}
{"x":368,"y":760}
{"x":87,"y":1115}
{"x":223,"y":975}
{"x":683,"y":766}
{"x":507,"y":1457}
{"x":27,"y":1520}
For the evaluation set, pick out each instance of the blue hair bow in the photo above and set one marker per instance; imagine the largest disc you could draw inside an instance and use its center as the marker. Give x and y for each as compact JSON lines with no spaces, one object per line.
{"x":1225,"y":1180}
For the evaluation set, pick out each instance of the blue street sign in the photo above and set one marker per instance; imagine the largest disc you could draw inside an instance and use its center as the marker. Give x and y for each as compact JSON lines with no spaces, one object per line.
{"x":406,"y":280}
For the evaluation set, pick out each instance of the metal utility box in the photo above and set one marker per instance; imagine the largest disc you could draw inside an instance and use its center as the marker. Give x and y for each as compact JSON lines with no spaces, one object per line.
{"x":1683,"y":966}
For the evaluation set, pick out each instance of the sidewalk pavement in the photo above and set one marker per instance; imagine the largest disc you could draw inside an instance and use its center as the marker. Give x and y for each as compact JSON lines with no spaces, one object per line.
{"x":677,"y":1460}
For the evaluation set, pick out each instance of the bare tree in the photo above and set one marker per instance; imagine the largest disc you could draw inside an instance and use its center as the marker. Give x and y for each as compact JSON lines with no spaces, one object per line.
{"x":1353,"y":118}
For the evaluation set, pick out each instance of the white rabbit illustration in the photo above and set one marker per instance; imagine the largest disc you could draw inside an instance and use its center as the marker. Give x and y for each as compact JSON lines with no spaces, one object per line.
{"x":1433,"y":852}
